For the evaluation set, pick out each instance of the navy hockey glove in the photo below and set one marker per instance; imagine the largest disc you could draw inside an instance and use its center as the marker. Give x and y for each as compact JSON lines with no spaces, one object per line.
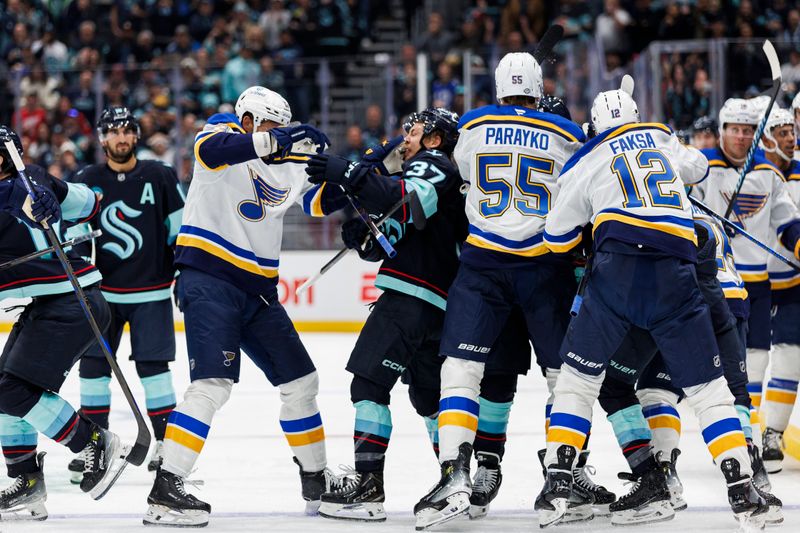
{"x":286,"y":137}
{"x":333,"y":169}
{"x":383,"y":159}
{"x":354,"y":231}
{"x":43,"y":208}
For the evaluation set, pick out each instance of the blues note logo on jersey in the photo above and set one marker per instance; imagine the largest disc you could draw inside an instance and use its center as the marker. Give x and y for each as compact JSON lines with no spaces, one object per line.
{"x":266,"y":196}
{"x":747,"y":205}
{"x":113,"y":222}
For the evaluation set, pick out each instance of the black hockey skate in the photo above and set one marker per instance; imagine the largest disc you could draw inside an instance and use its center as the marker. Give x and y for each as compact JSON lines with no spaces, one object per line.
{"x":772,"y":442}
{"x":104,"y":461}
{"x":774,"y":515}
{"x":557,"y":500}
{"x":648,"y":501}
{"x":449,"y":499}
{"x":582,"y":483}
{"x":673,"y":481}
{"x":579,"y":503}
{"x":157,"y":457}
{"x":760,"y":477}
{"x":488,"y":478}
{"x":359,"y":498}
{"x":314,"y":484}
{"x":748,"y":506}
{"x":171,"y":505}
{"x":75,"y":468}
{"x":24,"y":499}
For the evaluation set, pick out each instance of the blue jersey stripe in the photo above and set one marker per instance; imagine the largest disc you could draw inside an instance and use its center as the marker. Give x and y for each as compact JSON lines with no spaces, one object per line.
{"x":508,"y":243}
{"x":241,"y":252}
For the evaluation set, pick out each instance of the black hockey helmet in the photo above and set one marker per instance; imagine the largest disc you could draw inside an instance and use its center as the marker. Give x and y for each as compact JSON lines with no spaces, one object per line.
{"x":442,"y":121}
{"x":706,"y":124}
{"x":7,"y":134}
{"x":553,"y":104}
{"x":116,"y":117}
{"x":410,"y":121}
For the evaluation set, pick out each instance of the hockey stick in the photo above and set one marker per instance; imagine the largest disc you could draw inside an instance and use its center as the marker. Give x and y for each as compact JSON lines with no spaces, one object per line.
{"x":548,"y":41}
{"x":738,"y":229}
{"x":775,"y":68}
{"x":373,"y":228}
{"x":66,"y":244}
{"x":138,"y":452}
{"x":410,"y":197}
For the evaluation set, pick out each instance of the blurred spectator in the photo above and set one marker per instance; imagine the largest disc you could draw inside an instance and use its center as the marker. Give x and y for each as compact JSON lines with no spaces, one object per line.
{"x":144,"y":48}
{"x":436,"y":41}
{"x":646,"y":19}
{"x":53,"y":53}
{"x":677,"y":22}
{"x":46,"y":88}
{"x":611,"y":28}
{"x":78,"y":12}
{"x":527,"y":17}
{"x":181,"y":45}
{"x":374,"y":129}
{"x":443,"y":90}
{"x":202,"y":21}
{"x":31,"y":115}
{"x":355,"y":147}
{"x":163,"y":17}
{"x":269,"y":77}
{"x":790,"y":71}
{"x":274,"y":21}
{"x":405,"y":91}
{"x":240,"y":72}
{"x":575,"y":16}
{"x":20,"y":41}
{"x":333,"y":27}
{"x":158,"y":149}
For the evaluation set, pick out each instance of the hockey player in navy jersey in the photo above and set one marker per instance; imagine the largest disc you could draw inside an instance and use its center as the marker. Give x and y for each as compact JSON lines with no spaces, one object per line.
{"x":47,"y":339}
{"x":779,"y":397}
{"x":628,"y":181}
{"x":248,"y":172}
{"x":763,"y":208}
{"x":142,"y":211}
{"x":511,"y":154}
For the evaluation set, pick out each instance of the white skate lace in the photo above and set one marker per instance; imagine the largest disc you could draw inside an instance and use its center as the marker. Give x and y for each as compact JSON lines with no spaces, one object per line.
{"x":634,"y":486}
{"x":582,"y":478}
{"x":88,"y":459}
{"x":774,"y":440}
{"x":19,"y":483}
{"x":485,"y":480}
{"x":343,"y":482}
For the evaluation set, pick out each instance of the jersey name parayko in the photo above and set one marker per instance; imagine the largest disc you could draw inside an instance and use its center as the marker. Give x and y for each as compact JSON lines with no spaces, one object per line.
{"x":629,"y":183}
{"x":512,"y":157}
{"x":233,"y":218}
{"x":763,"y":207}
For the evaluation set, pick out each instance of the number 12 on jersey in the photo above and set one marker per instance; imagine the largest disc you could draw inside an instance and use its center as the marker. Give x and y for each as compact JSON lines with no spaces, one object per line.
{"x":660,"y":175}
{"x":535,"y":196}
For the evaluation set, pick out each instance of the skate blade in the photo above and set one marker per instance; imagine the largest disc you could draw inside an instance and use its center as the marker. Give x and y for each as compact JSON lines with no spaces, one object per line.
{"x":312,"y":507}
{"x":116,"y":467}
{"x":774,"y":515}
{"x":25,"y":512}
{"x":159,"y":515}
{"x":360,"y":512}
{"x":749,"y":523}
{"x":678,"y":504}
{"x":552,"y":517}
{"x":457,"y":505}
{"x":659,"y":511}
{"x":601,"y":510}
{"x":75,"y":477}
{"x":581,"y":513}
{"x":773,"y":467}
{"x":476,"y":512}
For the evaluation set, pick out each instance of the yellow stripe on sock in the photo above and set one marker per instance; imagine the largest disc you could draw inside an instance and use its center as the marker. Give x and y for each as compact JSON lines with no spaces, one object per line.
{"x":781,"y":396}
{"x":183,"y":438}
{"x":664,"y":422}
{"x":303,"y":439}
{"x":454,"y":418}
{"x":566,"y":437}
{"x":755,"y":399}
{"x":728,"y":442}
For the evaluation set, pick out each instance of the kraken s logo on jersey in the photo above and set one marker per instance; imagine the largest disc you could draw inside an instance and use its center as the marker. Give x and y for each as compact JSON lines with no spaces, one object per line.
{"x":747,"y":205}
{"x":113,"y":222}
{"x":265,"y":196}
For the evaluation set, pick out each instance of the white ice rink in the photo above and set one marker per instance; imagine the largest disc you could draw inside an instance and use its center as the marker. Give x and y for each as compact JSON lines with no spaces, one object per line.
{"x":252,"y":483}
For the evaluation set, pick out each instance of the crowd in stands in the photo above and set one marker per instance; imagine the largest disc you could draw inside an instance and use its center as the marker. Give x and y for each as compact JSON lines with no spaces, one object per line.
{"x":174,"y":62}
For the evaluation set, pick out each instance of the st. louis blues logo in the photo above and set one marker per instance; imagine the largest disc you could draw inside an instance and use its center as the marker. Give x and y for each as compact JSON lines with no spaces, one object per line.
{"x":747,"y":205}
{"x":265,"y":196}
{"x":113,"y":222}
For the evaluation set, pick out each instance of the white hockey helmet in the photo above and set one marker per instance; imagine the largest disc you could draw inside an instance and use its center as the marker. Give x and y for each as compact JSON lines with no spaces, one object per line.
{"x":263,"y":104}
{"x":518,"y":74}
{"x":615,"y":108}
{"x":796,"y":102}
{"x":778,"y":117}
{"x":738,"y":111}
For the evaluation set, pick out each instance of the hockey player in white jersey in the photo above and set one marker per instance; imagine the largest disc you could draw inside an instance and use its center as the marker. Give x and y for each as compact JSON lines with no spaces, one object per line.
{"x":763,"y":208}
{"x":628,"y":182}
{"x":249,"y":170}
{"x":778,"y":143}
{"x":511,"y":155}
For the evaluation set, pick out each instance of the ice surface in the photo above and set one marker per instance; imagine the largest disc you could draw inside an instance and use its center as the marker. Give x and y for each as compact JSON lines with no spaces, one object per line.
{"x":252,"y":483}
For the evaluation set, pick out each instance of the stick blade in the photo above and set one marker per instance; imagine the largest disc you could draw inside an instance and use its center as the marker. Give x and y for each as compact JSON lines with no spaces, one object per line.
{"x":627,"y":84}
{"x":550,"y":38}
{"x":772,"y":58}
{"x":11,"y":149}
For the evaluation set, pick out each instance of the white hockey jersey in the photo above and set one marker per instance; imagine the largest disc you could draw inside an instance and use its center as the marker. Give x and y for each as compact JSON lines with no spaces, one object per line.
{"x":512,"y":158}
{"x":782,"y":277}
{"x":233,"y":217}
{"x":763,"y":208}
{"x":629,"y":183}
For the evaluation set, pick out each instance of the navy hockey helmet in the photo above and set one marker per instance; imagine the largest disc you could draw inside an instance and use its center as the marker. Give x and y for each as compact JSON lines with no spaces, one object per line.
{"x":705,"y":124}
{"x":7,"y":134}
{"x":441,"y":121}
{"x":116,"y":117}
{"x":553,"y":104}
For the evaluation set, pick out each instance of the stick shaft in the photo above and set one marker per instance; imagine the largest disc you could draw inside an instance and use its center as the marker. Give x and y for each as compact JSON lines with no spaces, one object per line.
{"x":39,"y":253}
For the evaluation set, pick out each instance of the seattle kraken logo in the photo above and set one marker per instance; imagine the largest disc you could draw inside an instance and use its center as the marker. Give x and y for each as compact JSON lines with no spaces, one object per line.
{"x":113,"y":222}
{"x":747,"y":205}
{"x":266,"y":196}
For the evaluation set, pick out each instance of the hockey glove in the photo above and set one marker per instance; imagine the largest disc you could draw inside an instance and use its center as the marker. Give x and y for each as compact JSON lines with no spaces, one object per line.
{"x":43,"y":208}
{"x":386,"y":158}
{"x":333,"y":169}
{"x":286,"y":137}
{"x":354,"y":232}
